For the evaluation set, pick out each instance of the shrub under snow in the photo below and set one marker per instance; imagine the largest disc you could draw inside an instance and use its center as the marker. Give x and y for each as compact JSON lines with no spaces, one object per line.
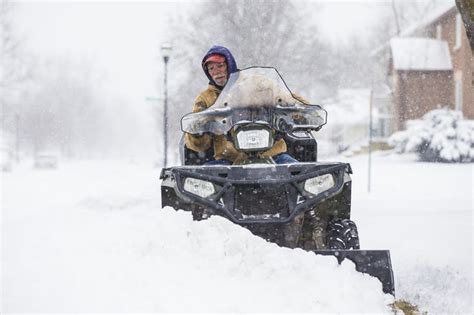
{"x":442,"y":135}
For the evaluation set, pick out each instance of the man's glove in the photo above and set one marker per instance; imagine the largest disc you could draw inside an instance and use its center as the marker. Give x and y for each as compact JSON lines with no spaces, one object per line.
{"x":279,"y":135}
{"x":240,"y":158}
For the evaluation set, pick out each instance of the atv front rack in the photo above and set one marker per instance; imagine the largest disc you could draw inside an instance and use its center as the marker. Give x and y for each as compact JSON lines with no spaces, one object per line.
{"x":257,"y":194}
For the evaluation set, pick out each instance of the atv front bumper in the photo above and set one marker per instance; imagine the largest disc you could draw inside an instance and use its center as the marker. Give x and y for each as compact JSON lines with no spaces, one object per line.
{"x":258,"y":193}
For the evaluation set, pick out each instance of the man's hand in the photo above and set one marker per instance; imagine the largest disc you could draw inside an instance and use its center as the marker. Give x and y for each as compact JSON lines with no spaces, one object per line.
{"x":198,"y":143}
{"x":279,"y":135}
{"x":240,"y":158}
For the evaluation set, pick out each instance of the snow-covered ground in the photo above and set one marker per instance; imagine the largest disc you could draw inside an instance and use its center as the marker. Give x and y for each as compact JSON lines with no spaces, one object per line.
{"x":423,"y":213}
{"x":91,"y":237}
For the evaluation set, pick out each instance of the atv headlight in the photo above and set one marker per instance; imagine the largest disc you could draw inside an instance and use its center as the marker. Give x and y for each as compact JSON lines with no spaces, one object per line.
{"x":317,"y":185}
{"x":199,"y":187}
{"x":253,"y":139}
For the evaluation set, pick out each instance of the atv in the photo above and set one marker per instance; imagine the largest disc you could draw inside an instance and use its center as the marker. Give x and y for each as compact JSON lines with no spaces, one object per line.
{"x":301,"y":205}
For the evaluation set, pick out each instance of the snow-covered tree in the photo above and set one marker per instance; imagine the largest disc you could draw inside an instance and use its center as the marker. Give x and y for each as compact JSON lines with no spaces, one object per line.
{"x":258,"y":32}
{"x":64,"y":108}
{"x":442,"y":135}
{"x":395,"y":16}
{"x":15,"y":67}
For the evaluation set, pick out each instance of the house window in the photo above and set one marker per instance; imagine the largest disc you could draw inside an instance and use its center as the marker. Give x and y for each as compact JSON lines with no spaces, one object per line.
{"x":457,"y":44}
{"x":439,"y":31}
{"x":458,"y":93}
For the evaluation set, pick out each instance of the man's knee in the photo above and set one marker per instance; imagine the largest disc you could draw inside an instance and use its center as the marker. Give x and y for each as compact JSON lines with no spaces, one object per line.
{"x":284,"y":158}
{"x":218,"y":162}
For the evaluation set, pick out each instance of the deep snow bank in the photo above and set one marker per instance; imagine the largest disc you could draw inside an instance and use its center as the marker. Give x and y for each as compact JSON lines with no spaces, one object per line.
{"x":94,"y":239}
{"x":242,"y":272}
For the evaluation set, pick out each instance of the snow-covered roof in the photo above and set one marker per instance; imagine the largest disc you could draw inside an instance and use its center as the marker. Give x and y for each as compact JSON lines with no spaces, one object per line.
{"x":424,"y":54}
{"x":429,"y":19}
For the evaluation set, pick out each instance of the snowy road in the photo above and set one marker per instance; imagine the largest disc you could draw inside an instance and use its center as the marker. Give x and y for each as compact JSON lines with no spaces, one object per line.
{"x":90,"y":237}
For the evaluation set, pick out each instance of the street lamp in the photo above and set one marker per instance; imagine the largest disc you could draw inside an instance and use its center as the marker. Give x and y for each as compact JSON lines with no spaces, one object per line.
{"x":165,"y":52}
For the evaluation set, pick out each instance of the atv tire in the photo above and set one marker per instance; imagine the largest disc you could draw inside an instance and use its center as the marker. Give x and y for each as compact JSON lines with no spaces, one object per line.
{"x":199,"y":213}
{"x":342,"y":234}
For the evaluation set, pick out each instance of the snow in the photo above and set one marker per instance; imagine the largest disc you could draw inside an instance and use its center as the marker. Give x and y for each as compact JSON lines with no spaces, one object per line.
{"x":348,"y":114}
{"x":351,"y":106}
{"x":423,"y":54}
{"x":441,"y":135}
{"x":91,"y":237}
{"x":426,"y":208}
{"x":419,"y":26}
{"x":436,"y":14}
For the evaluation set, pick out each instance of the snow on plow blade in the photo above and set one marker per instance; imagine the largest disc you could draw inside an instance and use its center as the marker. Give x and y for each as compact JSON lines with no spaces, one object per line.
{"x":376,"y":263}
{"x":273,"y":202}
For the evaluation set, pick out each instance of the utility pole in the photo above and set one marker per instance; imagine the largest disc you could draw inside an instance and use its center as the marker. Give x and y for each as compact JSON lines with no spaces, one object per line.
{"x":165,"y":51}
{"x":17,"y":137}
{"x":370,"y":140}
{"x":395,"y":14}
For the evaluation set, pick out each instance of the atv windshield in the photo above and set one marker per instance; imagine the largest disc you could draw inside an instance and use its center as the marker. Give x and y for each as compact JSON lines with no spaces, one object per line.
{"x":255,"y":95}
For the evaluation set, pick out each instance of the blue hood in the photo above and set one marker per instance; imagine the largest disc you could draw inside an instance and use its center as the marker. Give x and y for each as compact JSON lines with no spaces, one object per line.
{"x":221,"y":50}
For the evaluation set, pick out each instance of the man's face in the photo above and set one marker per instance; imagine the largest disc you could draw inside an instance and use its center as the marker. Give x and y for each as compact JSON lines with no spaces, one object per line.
{"x":218,"y":72}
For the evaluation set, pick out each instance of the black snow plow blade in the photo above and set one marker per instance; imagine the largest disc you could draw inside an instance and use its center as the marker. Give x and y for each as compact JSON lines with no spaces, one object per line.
{"x":275,"y":202}
{"x":376,"y":263}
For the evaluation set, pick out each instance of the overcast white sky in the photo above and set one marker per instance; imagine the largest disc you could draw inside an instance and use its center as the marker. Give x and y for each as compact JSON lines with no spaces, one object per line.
{"x":124,"y":37}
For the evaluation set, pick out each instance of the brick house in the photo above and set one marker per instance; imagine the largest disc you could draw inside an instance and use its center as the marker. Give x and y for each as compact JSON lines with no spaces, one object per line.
{"x":431,"y":65}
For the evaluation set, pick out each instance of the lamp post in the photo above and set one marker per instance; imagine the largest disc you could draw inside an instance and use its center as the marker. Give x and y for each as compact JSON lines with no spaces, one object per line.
{"x":165,"y":52}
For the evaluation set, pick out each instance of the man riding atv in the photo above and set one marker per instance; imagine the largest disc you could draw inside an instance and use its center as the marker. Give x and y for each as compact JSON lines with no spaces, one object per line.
{"x":250,"y":134}
{"x":218,"y":63}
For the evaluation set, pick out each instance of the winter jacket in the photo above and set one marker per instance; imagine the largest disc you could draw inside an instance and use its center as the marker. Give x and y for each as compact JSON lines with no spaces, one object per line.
{"x":223,"y":149}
